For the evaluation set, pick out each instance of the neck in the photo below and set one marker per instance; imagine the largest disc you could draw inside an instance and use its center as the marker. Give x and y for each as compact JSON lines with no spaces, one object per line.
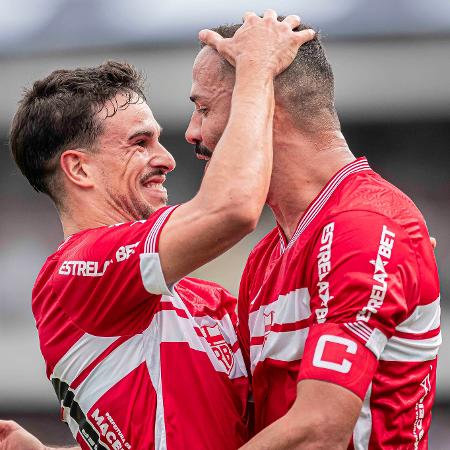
{"x":302,"y":166}
{"x":75,"y":218}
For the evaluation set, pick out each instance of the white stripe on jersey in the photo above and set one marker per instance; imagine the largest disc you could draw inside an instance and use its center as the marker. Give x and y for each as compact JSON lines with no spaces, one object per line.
{"x":152,"y":275}
{"x":285,"y":346}
{"x":358,"y":330}
{"x":363,"y":427}
{"x":117,"y":365}
{"x":150,"y":242}
{"x":288,"y":308}
{"x":424,"y":318}
{"x":152,"y":342}
{"x":281,"y":345}
{"x":180,"y":329}
{"x":411,"y":350}
{"x":80,"y":355}
{"x":377,"y":342}
{"x":166,"y":326}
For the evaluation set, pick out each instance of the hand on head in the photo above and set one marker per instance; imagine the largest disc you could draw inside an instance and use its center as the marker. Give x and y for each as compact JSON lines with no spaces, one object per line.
{"x":263,"y":42}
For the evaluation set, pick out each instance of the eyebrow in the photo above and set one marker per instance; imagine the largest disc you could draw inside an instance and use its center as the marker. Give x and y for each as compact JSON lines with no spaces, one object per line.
{"x":149,"y":133}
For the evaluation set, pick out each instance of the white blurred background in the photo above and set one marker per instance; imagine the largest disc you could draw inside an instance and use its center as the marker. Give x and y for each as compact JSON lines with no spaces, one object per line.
{"x":392,"y":67}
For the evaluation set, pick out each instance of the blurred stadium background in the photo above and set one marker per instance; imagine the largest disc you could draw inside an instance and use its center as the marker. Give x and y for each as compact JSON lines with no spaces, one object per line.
{"x":392,"y":68}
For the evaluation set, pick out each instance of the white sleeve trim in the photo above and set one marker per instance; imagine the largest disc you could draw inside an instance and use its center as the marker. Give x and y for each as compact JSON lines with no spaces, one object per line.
{"x":150,"y":264}
{"x":377,"y":342}
{"x":152,"y":275}
{"x":152,"y":238}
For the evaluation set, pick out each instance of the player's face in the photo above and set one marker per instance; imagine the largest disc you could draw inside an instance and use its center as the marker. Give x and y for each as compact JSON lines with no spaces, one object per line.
{"x":211,"y":92}
{"x":130,"y":162}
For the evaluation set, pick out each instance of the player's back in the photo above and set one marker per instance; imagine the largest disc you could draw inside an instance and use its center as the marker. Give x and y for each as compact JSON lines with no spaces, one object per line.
{"x":352,"y":299}
{"x":136,"y":364}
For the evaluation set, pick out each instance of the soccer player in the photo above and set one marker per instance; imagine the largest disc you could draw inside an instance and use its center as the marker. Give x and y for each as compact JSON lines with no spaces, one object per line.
{"x":339,"y":304}
{"x":139,"y":356}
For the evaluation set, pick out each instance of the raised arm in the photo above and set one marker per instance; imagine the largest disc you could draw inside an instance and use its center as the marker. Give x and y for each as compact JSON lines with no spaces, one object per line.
{"x":235,"y":186}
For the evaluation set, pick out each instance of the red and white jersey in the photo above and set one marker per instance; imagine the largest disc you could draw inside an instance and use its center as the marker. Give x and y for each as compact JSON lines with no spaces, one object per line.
{"x":351,"y":299}
{"x":135,"y":364}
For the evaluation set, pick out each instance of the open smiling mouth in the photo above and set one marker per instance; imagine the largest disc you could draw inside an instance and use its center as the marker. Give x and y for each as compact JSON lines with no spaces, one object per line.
{"x":203,"y":153}
{"x":155,"y":183}
{"x":156,"y":186}
{"x":202,"y":157}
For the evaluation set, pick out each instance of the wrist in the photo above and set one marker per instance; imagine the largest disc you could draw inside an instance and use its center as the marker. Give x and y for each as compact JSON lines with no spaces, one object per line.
{"x":250,"y":68}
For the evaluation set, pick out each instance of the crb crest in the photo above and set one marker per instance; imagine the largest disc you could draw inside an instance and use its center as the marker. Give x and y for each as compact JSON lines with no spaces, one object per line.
{"x":219,"y":346}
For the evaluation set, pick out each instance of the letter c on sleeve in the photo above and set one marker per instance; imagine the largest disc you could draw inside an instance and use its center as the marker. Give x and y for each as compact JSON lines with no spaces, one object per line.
{"x":345,"y":365}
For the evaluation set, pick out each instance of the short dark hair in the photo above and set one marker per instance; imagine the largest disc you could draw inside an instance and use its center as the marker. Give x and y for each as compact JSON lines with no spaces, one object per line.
{"x":306,"y":87}
{"x":59,"y":112}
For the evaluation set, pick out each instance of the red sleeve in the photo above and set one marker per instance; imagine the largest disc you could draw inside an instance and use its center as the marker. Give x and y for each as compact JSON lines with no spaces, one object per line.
{"x":363,"y":283}
{"x":107,"y":277}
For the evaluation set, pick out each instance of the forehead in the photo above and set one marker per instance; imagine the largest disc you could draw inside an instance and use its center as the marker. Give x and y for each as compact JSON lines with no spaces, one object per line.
{"x":120,"y":119}
{"x":207,"y":73}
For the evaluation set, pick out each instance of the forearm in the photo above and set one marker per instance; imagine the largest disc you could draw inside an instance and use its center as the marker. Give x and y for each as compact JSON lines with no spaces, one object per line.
{"x":61,"y":448}
{"x":280,"y":435}
{"x":312,"y":422}
{"x":239,"y":172}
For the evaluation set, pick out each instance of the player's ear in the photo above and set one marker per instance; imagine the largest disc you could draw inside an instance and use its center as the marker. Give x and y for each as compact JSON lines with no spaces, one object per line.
{"x":76,"y":167}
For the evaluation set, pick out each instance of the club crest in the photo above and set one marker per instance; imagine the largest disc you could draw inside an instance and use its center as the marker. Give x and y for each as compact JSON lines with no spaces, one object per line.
{"x":219,"y":346}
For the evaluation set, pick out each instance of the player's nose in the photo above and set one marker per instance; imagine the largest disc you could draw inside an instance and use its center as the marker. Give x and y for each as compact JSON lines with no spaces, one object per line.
{"x":193,"y":131}
{"x":163,"y":159}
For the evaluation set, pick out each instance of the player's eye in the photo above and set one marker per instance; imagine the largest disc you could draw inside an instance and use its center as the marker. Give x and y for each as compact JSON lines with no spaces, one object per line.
{"x":141,"y":143}
{"x":203,"y":111}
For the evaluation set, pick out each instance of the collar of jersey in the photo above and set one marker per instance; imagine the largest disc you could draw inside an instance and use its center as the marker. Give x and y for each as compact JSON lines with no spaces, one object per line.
{"x":358,"y":165}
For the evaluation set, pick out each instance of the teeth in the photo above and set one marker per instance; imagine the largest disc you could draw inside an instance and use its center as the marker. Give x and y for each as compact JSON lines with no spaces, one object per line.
{"x":205,"y":158}
{"x":156,"y":186}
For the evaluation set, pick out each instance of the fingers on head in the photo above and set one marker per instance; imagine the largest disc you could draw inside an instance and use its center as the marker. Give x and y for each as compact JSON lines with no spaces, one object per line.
{"x":270,"y":14}
{"x":210,"y":38}
{"x":250,"y":17}
{"x":293,"y":21}
{"x":304,"y":35}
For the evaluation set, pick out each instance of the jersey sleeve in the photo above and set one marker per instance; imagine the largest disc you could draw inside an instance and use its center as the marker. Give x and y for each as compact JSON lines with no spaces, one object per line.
{"x":363,"y":281}
{"x":109,"y":279}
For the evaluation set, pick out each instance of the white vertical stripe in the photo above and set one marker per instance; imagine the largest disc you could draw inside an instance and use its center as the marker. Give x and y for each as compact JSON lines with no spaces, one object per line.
{"x":363,"y":427}
{"x":152,"y":344}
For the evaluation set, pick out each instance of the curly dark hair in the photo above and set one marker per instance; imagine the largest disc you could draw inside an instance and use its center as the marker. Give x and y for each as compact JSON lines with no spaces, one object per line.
{"x":59,"y":112}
